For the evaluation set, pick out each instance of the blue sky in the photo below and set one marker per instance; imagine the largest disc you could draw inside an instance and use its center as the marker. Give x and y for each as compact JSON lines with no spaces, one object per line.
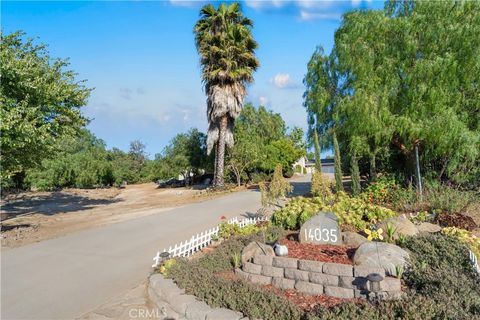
{"x":140,"y":57}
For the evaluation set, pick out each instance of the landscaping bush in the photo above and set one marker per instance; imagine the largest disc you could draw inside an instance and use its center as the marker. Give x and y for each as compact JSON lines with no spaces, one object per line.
{"x":321,"y":186}
{"x":227,"y":230}
{"x":437,"y":197}
{"x":465,"y":236}
{"x":442,"y":281}
{"x":350,"y":211}
{"x":442,"y":285}
{"x":202,"y":277}
{"x":381,"y":192}
{"x":443,"y":198}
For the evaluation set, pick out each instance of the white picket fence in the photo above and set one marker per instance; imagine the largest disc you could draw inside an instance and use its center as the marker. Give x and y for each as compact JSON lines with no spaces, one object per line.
{"x":201,"y":240}
{"x":474,"y":260}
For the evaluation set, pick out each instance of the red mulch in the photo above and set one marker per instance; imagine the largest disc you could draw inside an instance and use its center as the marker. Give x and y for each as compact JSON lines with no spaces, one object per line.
{"x":305,"y":301}
{"x":319,"y":252}
{"x":457,"y":220}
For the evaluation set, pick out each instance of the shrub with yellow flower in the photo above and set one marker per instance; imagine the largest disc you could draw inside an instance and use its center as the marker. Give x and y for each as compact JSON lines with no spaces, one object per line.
{"x":374,"y":234}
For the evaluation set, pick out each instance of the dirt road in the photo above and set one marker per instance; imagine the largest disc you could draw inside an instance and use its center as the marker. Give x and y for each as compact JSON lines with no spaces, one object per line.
{"x":36,"y":216}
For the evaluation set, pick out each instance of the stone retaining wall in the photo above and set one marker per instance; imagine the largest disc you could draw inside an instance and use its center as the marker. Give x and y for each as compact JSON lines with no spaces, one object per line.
{"x":173,"y":303}
{"x":316,"y":278}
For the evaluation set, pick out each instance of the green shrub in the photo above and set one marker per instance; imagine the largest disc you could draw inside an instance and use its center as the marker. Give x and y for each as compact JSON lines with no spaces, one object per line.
{"x":381,"y":192}
{"x":444,"y":286}
{"x":472,"y":241}
{"x":277,"y":188}
{"x":441,"y":270}
{"x":437,"y":197}
{"x":227,"y":230}
{"x":442,"y":198}
{"x":350,"y":211}
{"x":321,"y":186}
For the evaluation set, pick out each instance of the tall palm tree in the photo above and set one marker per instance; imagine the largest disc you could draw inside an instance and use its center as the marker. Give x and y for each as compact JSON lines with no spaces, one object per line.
{"x":227,"y":56}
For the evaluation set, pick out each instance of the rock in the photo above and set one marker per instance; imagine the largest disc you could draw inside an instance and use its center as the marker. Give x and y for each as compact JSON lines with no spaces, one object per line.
{"x":321,"y":229}
{"x":427,"y":227}
{"x":337,"y":269}
{"x":283,"y":283}
{"x":324,"y":279}
{"x":381,"y":254}
{"x":270,"y":271}
{"x":222,"y":313}
{"x":295,"y":274}
{"x":283,"y":262}
{"x":280,"y":250}
{"x":403,"y":225}
{"x":309,"y":288}
{"x":353,"y":239}
{"x":338,"y":292}
{"x":256,"y":248}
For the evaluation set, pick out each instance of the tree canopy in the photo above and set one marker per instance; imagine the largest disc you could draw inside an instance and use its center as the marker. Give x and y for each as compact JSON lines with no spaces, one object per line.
{"x":40,"y":103}
{"x":410,"y":77}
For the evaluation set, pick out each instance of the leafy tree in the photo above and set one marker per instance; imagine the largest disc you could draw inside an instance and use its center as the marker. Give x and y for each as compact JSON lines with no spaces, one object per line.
{"x":40,"y":104}
{"x":355,"y":174}
{"x":337,"y":164}
{"x":413,"y":73}
{"x":82,"y":163}
{"x":262,"y":143}
{"x":186,"y":155}
{"x":227,"y":54}
{"x":318,"y":152}
{"x":321,"y":99}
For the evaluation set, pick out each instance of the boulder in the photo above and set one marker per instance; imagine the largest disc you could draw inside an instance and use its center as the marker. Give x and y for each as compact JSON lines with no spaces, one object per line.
{"x":427,"y":227}
{"x":256,"y":248}
{"x":321,"y":229}
{"x":380,"y":254}
{"x":353,"y":239}
{"x":402,"y":223}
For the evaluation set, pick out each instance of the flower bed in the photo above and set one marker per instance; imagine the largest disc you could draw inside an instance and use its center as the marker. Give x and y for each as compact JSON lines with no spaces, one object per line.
{"x":315,"y":252}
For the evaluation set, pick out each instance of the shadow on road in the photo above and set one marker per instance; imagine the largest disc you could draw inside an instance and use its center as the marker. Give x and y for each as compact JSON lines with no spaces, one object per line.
{"x":51,"y":204}
{"x":299,"y":188}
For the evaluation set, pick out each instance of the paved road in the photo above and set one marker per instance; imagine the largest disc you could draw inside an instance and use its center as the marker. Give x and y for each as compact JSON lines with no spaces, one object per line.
{"x":65,"y":277}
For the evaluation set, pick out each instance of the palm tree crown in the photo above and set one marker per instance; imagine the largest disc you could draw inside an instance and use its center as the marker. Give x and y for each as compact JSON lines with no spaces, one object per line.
{"x":227,"y":56}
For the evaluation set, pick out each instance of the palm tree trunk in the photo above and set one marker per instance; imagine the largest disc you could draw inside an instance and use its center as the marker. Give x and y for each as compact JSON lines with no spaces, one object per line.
{"x":220,"y":156}
{"x":214,"y":181}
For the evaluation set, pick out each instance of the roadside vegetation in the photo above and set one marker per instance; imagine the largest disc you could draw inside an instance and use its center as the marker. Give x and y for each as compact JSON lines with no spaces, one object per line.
{"x":398,"y":94}
{"x":441,"y":284}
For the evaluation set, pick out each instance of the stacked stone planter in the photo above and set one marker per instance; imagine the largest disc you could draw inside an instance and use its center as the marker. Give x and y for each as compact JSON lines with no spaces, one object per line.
{"x":317,"y":278}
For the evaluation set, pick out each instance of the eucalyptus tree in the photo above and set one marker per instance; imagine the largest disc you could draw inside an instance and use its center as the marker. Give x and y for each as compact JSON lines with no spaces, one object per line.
{"x":322,"y":95}
{"x":225,"y":43}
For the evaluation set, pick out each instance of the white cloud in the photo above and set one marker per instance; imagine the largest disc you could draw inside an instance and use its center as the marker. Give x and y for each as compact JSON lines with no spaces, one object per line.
{"x":282,"y":80}
{"x":186,"y":3}
{"x":263,"y":101}
{"x":315,"y":4}
{"x":305,"y":16}
{"x":259,"y":4}
{"x":356,"y":3}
